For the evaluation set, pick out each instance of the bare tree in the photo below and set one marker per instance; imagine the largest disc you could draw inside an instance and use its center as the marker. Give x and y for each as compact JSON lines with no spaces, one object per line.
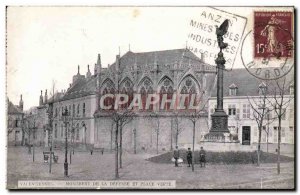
{"x":193,"y":117}
{"x":154,"y":115}
{"x":259,"y":106}
{"x":280,"y":100}
{"x":178,"y":129}
{"x":120,"y":119}
{"x":128,"y":118}
{"x":266,"y":128}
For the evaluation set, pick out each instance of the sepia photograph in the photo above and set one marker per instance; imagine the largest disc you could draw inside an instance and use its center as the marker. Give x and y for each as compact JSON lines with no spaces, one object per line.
{"x":150,"y":98}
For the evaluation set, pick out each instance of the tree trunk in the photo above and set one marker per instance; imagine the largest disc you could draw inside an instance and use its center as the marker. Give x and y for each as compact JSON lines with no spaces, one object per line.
{"x":116,"y":153}
{"x":267,"y":142}
{"x":50,"y":156}
{"x":278,"y":149}
{"x":157,"y":141}
{"x":121,"y":139}
{"x":157,"y":134}
{"x":259,"y":143}
{"x":23,"y":137}
{"x":171,"y":135}
{"x":177,"y":135}
{"x":111,"y":137}
{"x":134,"y":141}
{"x":193,"y":158}
{"x":29,"y":145}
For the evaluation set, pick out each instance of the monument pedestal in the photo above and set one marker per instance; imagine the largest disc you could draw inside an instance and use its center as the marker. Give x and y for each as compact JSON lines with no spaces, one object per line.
{"x":219,"y":130}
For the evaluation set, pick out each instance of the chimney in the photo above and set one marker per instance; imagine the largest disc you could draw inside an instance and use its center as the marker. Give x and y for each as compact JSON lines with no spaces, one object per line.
{"x":21,"y":103}
{"x":88,"y":74}
{"x":46,"y":97}
{"x":41,"y":98}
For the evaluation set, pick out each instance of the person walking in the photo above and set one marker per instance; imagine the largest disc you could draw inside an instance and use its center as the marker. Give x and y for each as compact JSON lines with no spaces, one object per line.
{"x":202,"y":156}
{"x":189,"y":157}
{"x":176,"y":156}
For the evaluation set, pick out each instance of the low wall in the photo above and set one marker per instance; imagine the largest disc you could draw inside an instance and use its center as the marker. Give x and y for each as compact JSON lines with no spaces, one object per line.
{"x":222,"y":147}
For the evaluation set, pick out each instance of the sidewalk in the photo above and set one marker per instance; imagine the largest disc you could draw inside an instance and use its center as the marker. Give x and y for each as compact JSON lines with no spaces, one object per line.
{"x":101,"y":167}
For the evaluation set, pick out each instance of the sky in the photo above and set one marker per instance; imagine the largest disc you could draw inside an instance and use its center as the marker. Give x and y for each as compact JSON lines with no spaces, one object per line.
{"x":46,"y":44}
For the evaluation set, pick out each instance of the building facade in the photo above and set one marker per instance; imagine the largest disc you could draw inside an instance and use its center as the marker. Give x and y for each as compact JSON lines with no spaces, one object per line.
{"x":15,"y":118}
{"x":176,"y":71}
{"x":243,"y":93}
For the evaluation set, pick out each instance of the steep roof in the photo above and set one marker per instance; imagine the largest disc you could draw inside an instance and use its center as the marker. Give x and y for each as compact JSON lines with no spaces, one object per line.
{"x":246,"y":83}
{"x":162,"y":58}
{"x":81,"y":88}
{"x":57,"y":97}
{"x":13,"y":109}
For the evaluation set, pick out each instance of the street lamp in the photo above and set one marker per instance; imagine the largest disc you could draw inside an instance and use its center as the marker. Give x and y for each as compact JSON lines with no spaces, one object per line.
{"x":65,"y":119}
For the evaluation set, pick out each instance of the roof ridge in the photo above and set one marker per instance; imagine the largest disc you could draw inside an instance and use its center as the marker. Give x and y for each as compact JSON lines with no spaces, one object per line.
{"x":158,"y":51}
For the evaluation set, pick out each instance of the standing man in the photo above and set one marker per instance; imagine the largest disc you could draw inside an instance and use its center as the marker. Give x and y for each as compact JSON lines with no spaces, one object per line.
{"x":176,"y":156}
{"x":189,"y":157}
{"x":202,"y":156}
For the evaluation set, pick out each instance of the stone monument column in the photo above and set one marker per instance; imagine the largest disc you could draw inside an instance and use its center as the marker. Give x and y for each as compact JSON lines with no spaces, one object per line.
{"x":219,"y":129}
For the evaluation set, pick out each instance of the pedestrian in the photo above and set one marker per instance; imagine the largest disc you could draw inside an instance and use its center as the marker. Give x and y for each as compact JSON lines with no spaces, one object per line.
{"x":189,"y":157}
{"x":202,"y":156}
{"x":176,"y":156}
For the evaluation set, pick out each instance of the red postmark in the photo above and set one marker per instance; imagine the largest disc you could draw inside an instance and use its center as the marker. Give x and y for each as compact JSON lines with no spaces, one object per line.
{"x":273,"y":34}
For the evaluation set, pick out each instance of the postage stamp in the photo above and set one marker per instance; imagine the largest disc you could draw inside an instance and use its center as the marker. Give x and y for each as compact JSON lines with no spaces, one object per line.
{"x":272,"y":34}
{"x":272,"y":41}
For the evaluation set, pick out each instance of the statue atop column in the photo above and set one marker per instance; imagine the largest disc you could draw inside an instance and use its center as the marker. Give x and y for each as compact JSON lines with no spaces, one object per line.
{"x":219,"y":130}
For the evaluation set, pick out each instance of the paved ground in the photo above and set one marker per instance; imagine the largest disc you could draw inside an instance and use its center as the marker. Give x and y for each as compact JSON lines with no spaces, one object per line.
{"x":101,"y":167}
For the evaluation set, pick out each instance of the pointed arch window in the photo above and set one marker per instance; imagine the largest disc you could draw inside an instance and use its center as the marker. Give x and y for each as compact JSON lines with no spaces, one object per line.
{"x":145,"y":90}
{"x":108,"y":88}
{"x":166,"y":89}
{"x":127,"y":89}
{"x":189,"y":86}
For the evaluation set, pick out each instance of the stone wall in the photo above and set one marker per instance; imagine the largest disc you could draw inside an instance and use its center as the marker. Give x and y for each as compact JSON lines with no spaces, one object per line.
{"x":146,"y":133}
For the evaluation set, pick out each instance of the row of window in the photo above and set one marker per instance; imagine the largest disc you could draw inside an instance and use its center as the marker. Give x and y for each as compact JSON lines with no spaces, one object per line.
{"x":72,"y":110}
{"x":273,"y":132}
{"x":233,"y":111}
{"x":62,"y":132}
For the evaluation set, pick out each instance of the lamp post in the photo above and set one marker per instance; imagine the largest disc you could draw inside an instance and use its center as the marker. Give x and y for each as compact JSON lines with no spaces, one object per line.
{"x":65,"y":120}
